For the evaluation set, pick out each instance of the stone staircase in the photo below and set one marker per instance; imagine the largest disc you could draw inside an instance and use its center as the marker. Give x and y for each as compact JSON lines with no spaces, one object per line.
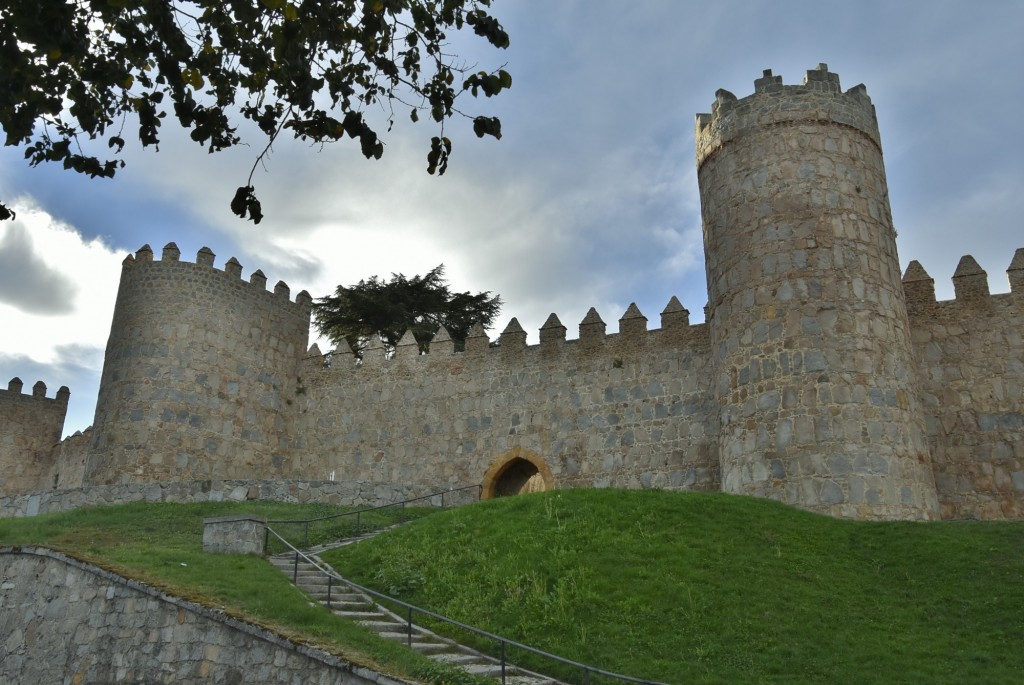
{"x":361,"y":608}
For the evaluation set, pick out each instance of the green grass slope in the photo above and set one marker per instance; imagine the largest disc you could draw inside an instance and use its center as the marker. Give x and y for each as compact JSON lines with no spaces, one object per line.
{"x":709,"y":588}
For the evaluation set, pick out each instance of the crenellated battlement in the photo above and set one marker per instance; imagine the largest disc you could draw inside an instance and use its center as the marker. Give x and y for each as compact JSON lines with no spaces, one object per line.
{"x":632,"y":338}
{"x":819,"y":99}
{"x":143,"y":258}
{"x":15,"y":386}
{"x":970,"y":285}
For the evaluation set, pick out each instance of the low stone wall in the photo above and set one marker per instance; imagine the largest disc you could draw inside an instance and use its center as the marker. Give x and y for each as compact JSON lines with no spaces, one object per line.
{"x":345,"y":493}
{"x":56,"y":610}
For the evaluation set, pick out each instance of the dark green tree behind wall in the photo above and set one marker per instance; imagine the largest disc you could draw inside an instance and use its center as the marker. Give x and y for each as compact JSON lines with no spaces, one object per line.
{"x":75,"y":71}
{"x":389,"y":308}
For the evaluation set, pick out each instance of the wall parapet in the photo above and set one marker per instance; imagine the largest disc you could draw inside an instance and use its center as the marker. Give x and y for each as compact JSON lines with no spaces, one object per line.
{"x":819,"y":99}
{"x":232,"y":269}
{"x":511,"y":346}
{"x":970,"y":286}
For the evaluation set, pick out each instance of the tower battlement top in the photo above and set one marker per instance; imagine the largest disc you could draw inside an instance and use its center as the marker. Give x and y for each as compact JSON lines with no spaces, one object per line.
{"x":818,"y":99}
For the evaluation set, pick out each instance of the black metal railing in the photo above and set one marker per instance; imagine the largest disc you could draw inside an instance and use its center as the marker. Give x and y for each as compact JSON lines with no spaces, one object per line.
{"x":502,"y":642}
{"x":362,"y":520}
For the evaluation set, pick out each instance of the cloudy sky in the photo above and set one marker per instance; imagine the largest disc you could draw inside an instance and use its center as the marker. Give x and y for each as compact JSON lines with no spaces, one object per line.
{"x":590,"y":198}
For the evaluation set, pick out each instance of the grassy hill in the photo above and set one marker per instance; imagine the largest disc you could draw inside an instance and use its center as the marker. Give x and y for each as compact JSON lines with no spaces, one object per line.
{"x":709,"y":588}
{"x":682,"y":588}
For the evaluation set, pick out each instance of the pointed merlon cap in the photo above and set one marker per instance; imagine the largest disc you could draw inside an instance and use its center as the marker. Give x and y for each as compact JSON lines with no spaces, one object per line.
{"x":128,"y":261}
{"x":39,"y":389}
{"x":970,"y":282}
{"x":632,"y":312}
{"x":442,"y":335}
{"x":373,"y":353}
{"x":304,"y":299}
{"x":205,"y":256}
{"x":314,"y":351}
{"x":144,"y":254}
{"x":407,"y":347}
{"x":675,"y":315}
{"x":591,"y":318}
{"x":15,"y":385}
{"x":442,"y":344}
{"x":258,"y":279}
{"x":513,"y":327}
{"x":968,"y":266}
{"x":281,"y":290}
{"x":1015,"y":272}
{"x":513,"y":337}
{"x":171,"y":253}
{"x":552,"y":331}
{"x":342,"y":347}
{"x":915,"y":272}
{"x":63,"y":394}
{"x":633,"y":323}
{"x":233,"y":268}
{"x":592,"y":328}
{"x":918,"y":286}
{"x":476,"y":339}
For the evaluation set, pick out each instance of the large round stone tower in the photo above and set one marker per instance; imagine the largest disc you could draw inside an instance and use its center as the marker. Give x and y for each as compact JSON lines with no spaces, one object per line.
{"x":813,"y":364}
{"x":200,"y":376}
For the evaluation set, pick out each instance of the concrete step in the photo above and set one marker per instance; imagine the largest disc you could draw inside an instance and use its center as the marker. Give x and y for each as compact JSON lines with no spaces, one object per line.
{"x":458,"y":658}
{"x":387,"y":626}
{"x":363,"y":615}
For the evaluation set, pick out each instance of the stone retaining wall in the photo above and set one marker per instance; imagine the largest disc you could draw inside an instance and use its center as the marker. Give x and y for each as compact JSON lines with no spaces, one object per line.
{"x":63,"y":620}
{"x":355,"y":494}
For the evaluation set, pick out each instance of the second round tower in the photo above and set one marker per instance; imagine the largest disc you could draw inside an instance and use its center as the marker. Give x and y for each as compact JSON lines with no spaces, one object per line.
{"x":812,"y":355}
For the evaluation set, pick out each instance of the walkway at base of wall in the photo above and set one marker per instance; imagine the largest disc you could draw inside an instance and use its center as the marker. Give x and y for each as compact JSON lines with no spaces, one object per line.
{"x":343,"y":493}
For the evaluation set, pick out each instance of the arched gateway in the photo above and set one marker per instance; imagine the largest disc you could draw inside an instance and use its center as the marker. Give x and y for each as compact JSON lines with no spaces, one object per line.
{"x":515,"y":473}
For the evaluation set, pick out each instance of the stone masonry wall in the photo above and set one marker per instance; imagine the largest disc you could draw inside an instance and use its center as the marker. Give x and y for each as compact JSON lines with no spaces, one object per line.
{"x":629,"y":410}
{"x":199,"y":376}
{"x":30,"y":428}
{"x":970,"y":356}
{"x":60,"y":618}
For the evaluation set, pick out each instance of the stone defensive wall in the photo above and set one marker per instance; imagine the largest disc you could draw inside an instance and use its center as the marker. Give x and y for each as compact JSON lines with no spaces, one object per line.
{"x":199,"y":373}
{"x":970,"y":365}
{"x":59,"y":617}
{"x":626,"y":410}
{"x":348,"y":493}
{"x":30,"y":429}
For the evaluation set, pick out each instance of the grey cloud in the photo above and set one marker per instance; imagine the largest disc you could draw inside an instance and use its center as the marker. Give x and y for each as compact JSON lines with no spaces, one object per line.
{"x":26,"y":282}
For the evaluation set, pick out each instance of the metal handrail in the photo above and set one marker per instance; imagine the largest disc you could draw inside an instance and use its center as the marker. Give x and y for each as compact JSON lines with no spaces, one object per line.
{"x":502,"y":641}
{"x":358,"y":513}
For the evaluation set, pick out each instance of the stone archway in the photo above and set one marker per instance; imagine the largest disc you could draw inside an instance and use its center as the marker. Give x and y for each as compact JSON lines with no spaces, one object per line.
{"x":517,"y":472}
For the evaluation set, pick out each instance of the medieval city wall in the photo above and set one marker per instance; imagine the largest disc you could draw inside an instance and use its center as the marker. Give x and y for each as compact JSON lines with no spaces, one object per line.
{"x":60,"y":618}
{"x":199,"y":374}
{"x":821,"y":378}
{"x":30,"y":429}
{"x":625,"y":410}
{"x":970,"y":360}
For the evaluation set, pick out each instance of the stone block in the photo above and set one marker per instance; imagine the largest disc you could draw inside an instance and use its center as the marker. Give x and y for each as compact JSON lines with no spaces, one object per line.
{"x":238,"y":534}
